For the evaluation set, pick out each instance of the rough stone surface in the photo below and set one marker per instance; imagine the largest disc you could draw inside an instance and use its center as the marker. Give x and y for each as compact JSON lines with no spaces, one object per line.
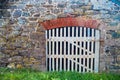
{"x":22,"y":38}
{"x":17,"y":13}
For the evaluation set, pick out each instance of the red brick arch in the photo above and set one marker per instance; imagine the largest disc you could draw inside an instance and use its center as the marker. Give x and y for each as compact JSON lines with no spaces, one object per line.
{"x":62,"y":22}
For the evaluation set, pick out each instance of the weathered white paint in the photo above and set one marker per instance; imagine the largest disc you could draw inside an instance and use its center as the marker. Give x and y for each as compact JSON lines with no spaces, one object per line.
{"x":76,"y":50}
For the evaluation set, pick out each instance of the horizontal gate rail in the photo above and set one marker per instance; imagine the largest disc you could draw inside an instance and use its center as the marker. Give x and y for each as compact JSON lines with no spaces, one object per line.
{"x":71,"y":39}
{"x":71,"y":56}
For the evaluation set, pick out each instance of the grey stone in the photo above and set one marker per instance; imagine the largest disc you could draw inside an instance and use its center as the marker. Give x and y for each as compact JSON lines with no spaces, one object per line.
{"x":20,"y":6}
{"x":89,"y":12}
{"x":56,"y":11}
{"x":28,"y":29}
{"x":113,"y":66}
{"x":105,"y":16}
{"x":68,"y":10}
{"x":13,"y":7}
{"x":15,"y":58}
{"x":48,"y":5}
{"x":39,"y":52}
{"x":2,"y":32}
{"x":17,"y":28}
{"x":87,"y":7}
{"x":33,"y":10}
{"x":113,"y":12}
{"x":96,"y":12}
{"x":61,"y":15}
{"x":11,"y":0}
{"x":104,"y":11}
{"x":117,"y":17}
{"x":2,"y":55}
{"x":37,"y":36}
{"x":0,"y":14}
{"x":1,"y":22}
{"x":33,"y":19}
{"x":117,"y":8}
{"x":4,"y":4}
{"x":32,"y":23}
{"x":42,"y":9}
{"x":22,"y":21}
{"x":36,"y":14}
{"x":61,"y":5}
{"x":5,"y":13}
{"x":102,"y":66}
{"x":17,"y":13}
{"x":25,"y":14}
{"x":50,"y":17}
{"x":113,"y":23}
{"x":12,"y":21}
{"x":82,"y":2}
{"x":14,"y":33}
{"x":73,"y":6}
{"x":49,"y":1}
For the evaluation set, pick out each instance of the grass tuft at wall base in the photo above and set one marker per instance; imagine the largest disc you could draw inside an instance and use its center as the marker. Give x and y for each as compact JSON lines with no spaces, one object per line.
{"x":28,"y":74}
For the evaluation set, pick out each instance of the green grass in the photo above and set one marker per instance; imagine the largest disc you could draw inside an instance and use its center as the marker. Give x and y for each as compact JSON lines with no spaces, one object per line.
{"x":28,"y":74}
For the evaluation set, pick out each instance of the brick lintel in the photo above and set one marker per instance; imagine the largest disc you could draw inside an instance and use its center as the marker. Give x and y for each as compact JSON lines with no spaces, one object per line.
{"x":63,"y":22}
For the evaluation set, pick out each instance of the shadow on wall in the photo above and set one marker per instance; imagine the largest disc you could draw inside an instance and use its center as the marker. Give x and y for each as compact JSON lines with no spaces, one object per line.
{"x":4,"y":4}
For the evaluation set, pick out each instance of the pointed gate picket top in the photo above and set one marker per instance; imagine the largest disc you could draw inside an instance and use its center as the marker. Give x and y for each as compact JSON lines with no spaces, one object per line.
{"x":72,"y":44}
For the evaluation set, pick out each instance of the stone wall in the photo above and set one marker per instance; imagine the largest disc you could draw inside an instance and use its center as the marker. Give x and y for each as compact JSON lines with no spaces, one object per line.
{"x":22,"y":38}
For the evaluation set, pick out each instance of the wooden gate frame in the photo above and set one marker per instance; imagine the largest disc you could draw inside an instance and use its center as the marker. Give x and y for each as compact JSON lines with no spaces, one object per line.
{"x":89,"y":23}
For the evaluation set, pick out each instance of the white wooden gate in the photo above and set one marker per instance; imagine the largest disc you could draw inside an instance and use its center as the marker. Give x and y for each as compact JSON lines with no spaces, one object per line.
{"x":72,"y":49}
